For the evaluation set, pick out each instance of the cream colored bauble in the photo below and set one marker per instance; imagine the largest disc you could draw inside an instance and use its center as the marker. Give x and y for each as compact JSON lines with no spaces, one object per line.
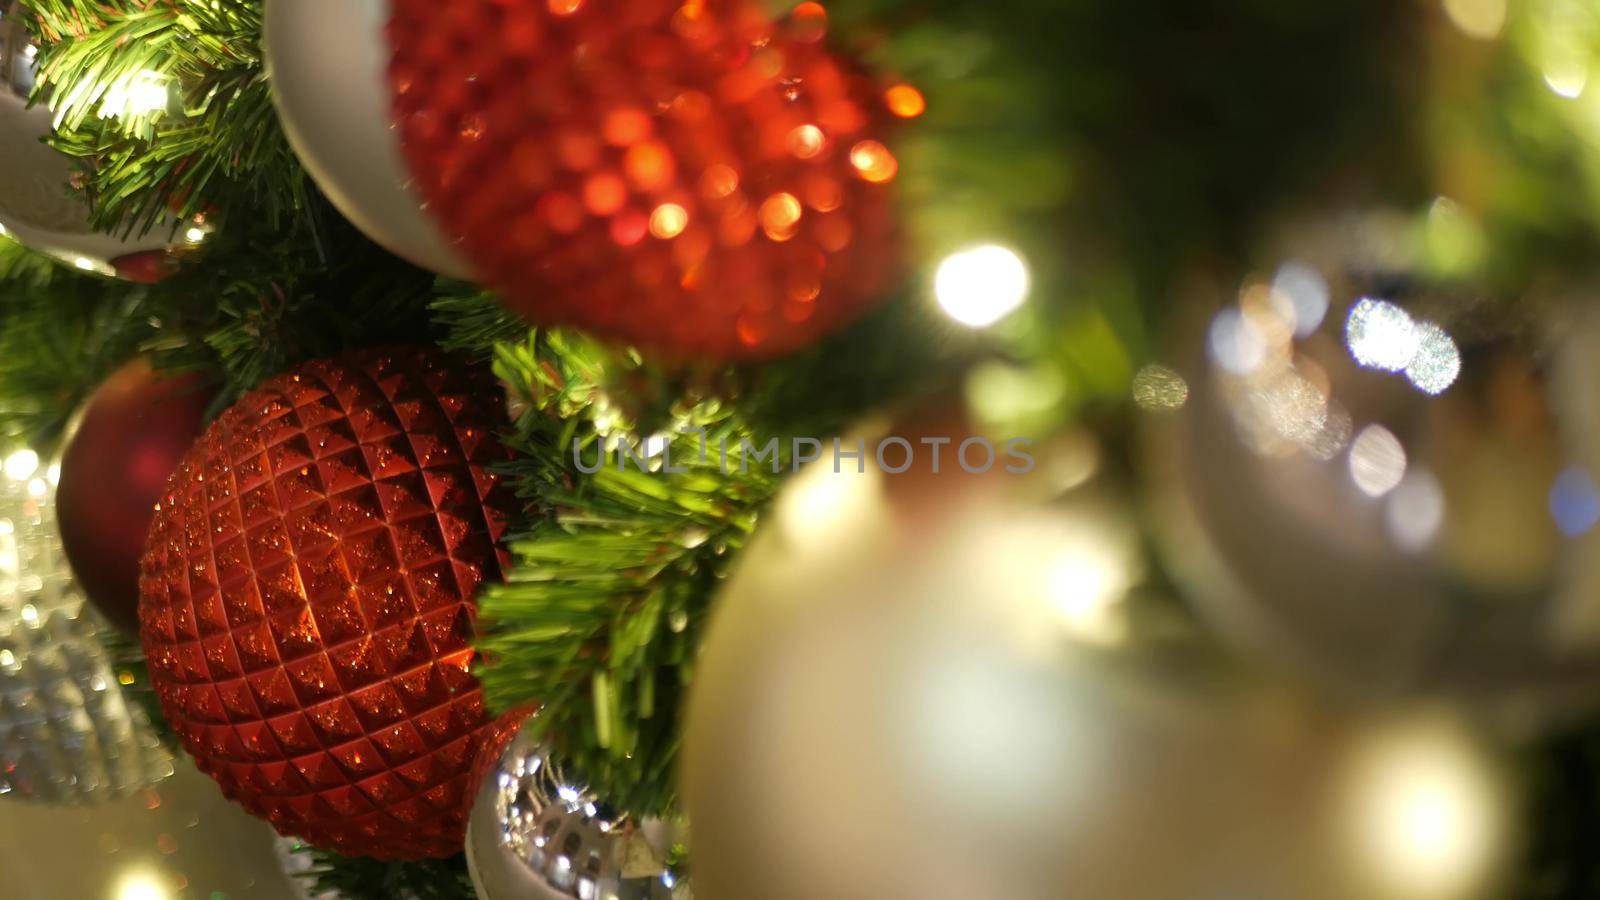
{"x":37,"y":205}
{"x":328,"y":64}
{"x":923,"y":689}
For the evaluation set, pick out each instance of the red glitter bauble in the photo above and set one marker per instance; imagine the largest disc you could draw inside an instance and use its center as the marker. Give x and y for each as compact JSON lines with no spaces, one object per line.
{"x":690,"y":177}
{"x":135,"y":429}
{"x":307,"y":599}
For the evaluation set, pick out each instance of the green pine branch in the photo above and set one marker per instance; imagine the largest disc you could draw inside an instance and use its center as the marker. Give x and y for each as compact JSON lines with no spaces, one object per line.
{"x":214,"y":148}
{"x":614,"y":570}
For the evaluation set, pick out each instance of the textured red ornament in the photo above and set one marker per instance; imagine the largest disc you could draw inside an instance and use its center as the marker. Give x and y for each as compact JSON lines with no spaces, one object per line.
{"x":307,"y":600}
{"x":134,"y":431}
{"x":686,"y":176}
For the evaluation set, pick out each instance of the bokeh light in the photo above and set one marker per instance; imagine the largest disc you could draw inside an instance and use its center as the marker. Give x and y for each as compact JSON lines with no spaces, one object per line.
{"x":981,"y":286}
{"x":1377,"y":461}
{"x":1381,"y":335}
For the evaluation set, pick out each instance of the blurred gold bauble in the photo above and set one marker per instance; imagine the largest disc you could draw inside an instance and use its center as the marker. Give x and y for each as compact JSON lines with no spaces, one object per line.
{"x":1390,"y":485}
{"x":915,"y":691}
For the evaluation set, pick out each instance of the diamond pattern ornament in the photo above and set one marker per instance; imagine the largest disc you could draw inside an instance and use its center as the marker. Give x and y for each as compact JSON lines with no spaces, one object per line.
{"x":695,"y":178}
{"x":307,"y":599}
{"x":67,"y":731}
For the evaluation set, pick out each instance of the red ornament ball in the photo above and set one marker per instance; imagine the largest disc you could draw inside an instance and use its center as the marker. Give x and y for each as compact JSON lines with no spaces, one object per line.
{"x":691,"y":177}
{"x":307,"y":600}
{"x":133,"y":432}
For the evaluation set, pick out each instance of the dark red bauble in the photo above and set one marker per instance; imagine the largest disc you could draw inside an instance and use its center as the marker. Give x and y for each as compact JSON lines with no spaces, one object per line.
{"x":693,"y":178}
{"x":307,"y":600}
{"x":133,"y":431}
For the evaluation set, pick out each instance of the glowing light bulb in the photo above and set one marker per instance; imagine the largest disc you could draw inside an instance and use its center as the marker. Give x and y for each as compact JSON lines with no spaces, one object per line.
{"x":84,"y":263}
{"x":141,"y":886}
{"x":138,"y":94}
{"x":981,"y":286}
{"x":21,"y":465}
{"x":195,"y":235}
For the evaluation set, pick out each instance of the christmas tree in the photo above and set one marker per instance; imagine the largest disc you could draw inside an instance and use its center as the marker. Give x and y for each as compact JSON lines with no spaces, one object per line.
{"x":659,"y":448}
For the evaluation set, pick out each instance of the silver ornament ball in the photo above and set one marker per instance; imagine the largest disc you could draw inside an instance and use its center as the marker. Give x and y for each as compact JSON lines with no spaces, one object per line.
{"x":1390,"y":483}
{"x":535,"y":834}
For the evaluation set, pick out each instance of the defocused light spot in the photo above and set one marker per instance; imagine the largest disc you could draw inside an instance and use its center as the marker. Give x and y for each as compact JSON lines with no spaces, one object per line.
{"x":37,"y":488}
{"x":668,"y":221}
{"x":1333,"y":437}
{"x":141,"y":886}
{"x":1158,"y":389}
{"x":1574,"y":502}
{"x":780,"y":215}
{"x":1377,"y":461}
{"x":194,"y":235}
{"x":1085,"y":584}
{"x":1381,"y":335}
{"x":1416,"y":511}
{"x":1426,"y":815}
{"x":806,"y":141}
{"x":1235,"y":343}
{"x":1437,"y":361}
{"x":1479,"y":18}
{"x":21,"y":465}
{"x":1567,"y":78}
{"x":1305,"y":292}
{"x":905,"y":101}
{"x":84,"y":263}
{"x":137,"y":94}
{"x":981,"y":286}
{"x":873,"y":162}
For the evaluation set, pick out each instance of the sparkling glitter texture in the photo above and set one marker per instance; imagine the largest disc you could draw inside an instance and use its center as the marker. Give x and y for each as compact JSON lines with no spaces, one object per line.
{"x":67,"y":732}
{"x":307,"y":599}
{"x":691,"y":177}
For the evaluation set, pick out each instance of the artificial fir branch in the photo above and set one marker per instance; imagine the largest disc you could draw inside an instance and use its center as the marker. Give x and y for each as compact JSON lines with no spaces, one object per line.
{"x":216,"y":147}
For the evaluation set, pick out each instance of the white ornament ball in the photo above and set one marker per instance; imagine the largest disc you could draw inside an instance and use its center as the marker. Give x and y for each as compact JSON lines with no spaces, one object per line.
{"x":37,"y":206}
{"x":926,"y":692}
{"x":328,"y":63}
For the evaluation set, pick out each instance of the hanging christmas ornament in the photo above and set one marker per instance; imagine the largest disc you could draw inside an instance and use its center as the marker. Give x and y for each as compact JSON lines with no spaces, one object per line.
{"x":536,"y":834}
{"x":38,"y":207}
{"x":936,"y":687}
{"x":126,"y":444}
{"x":1391,"y":484}
{"x":692,"y":178}
{"x":307,"y":600}
{"x":67,"y":732}
{"x":327,"y":66}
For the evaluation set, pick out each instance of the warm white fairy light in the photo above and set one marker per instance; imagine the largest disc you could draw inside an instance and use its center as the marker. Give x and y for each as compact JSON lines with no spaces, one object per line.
{"x":21,"y":465}
{"x":981,"y":286}
{"x":195,"y":235}
{"x":84,"y":263}
{"x":138,"y":94}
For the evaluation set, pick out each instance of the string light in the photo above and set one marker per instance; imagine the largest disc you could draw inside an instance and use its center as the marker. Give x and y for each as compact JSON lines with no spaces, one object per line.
{"x":135,"y":95}
{"x":21,"y":465}
{"x":981,"y":286}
